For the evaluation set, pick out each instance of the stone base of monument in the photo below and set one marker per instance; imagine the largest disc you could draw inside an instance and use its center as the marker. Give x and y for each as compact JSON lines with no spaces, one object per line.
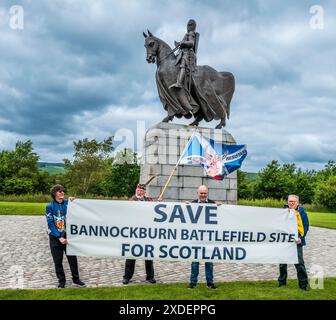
{"x":163,"y":145}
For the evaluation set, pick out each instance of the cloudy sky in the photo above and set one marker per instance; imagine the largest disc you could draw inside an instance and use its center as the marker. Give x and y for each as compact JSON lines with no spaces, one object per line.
{"x":77,"y":69}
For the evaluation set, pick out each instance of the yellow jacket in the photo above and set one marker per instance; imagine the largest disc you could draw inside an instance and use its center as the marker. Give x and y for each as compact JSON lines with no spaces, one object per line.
{"x":300,"y":223}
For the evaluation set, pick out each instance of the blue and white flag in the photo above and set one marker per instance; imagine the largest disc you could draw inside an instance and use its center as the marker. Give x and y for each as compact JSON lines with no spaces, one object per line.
{"x":217,"y":159}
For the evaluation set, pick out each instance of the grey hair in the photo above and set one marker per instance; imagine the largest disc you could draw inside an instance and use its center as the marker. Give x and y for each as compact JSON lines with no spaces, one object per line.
{"x":295,"y":196}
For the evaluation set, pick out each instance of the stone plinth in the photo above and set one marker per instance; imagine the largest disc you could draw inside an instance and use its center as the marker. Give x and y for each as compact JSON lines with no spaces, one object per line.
{"x":163,"y":145}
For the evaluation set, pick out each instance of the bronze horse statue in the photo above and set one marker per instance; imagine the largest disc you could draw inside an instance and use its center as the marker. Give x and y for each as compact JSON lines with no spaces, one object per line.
{"x":210,"y":92}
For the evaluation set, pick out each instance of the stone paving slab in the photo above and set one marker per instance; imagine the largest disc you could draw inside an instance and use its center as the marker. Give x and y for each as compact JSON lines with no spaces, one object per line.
{"x":26,"y":262}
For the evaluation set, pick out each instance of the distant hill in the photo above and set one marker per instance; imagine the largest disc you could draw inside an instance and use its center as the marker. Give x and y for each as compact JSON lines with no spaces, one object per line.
{"x":251,"y":176}
{"x":51,"y":167}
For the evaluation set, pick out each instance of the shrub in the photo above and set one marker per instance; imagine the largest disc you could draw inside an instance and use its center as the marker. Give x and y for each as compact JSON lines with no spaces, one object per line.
{"x":325,"y":194}
{"x":17,"y":185}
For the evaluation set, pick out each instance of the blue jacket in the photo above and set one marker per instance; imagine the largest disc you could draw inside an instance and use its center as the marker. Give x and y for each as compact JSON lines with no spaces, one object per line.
{"x":305,"y":222}
{"x":56,"y":217}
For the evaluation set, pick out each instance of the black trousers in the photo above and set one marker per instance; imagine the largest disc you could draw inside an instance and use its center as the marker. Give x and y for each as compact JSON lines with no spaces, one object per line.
{"x":130,"y":265}
{"x":300,"y":269}
{"x":57,"y":250}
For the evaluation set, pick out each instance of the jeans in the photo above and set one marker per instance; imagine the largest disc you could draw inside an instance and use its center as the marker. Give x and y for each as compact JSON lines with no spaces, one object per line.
{"x":195,"y":272}
{"x":300,"y":269}
{"x":57,"y":251}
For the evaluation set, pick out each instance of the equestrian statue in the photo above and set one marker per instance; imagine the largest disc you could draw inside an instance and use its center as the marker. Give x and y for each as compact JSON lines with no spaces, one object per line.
{"x":186,"y":89}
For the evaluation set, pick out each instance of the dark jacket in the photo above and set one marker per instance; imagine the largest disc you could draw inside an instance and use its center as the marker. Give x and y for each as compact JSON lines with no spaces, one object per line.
{"x":305,"y":222}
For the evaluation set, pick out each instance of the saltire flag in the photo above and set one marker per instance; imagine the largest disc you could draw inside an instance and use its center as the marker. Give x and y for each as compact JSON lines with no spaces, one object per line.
{"x":217,"y":159}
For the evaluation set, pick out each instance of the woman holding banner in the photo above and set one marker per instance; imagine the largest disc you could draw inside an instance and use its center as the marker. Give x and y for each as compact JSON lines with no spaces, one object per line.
{"x":56,"y":212}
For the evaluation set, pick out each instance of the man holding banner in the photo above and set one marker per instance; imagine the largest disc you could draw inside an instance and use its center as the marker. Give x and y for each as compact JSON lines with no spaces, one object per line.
{"x":140,"y":195}
{"x":303,"y":227}
{"x":202,"y":193}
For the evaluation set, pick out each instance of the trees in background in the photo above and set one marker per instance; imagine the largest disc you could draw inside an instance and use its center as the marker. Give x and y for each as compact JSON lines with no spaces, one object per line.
{"x":277,"y":181}
{"x":325,"y":193}
{"x":245,"y":185}
{"x":94,"y":171}
{"x":19,"y":172}
{"x":123,"y":175}
{"x":85,"y":173}
{"x":305,"y":185}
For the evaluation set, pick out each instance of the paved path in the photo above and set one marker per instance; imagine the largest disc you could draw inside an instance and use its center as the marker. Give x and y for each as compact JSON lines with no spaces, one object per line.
{"x":25,"y":260}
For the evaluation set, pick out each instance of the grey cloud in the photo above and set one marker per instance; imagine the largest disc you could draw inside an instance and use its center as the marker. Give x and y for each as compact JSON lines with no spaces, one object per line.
{"x":78,"y":69}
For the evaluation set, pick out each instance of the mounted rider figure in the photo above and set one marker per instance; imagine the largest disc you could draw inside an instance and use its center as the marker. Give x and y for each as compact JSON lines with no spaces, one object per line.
{"x":186,"y":57}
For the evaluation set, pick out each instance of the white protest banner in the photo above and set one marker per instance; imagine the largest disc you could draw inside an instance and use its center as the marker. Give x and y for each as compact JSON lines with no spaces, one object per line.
{"x":179,"y":231}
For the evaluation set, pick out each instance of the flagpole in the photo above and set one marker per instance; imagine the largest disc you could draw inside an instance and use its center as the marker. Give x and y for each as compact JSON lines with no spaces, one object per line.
{"x":178,"y":162}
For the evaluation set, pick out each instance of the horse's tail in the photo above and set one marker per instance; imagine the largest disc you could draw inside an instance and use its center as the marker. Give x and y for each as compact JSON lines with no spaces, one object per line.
{"x":229,"y":86}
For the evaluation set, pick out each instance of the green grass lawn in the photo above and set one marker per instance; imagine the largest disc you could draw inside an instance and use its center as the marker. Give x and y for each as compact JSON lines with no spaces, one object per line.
{"x":22,"y":208}
{"x":317,"y":219}
{"x":240,"y":290}
{"x":323,"y":220}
